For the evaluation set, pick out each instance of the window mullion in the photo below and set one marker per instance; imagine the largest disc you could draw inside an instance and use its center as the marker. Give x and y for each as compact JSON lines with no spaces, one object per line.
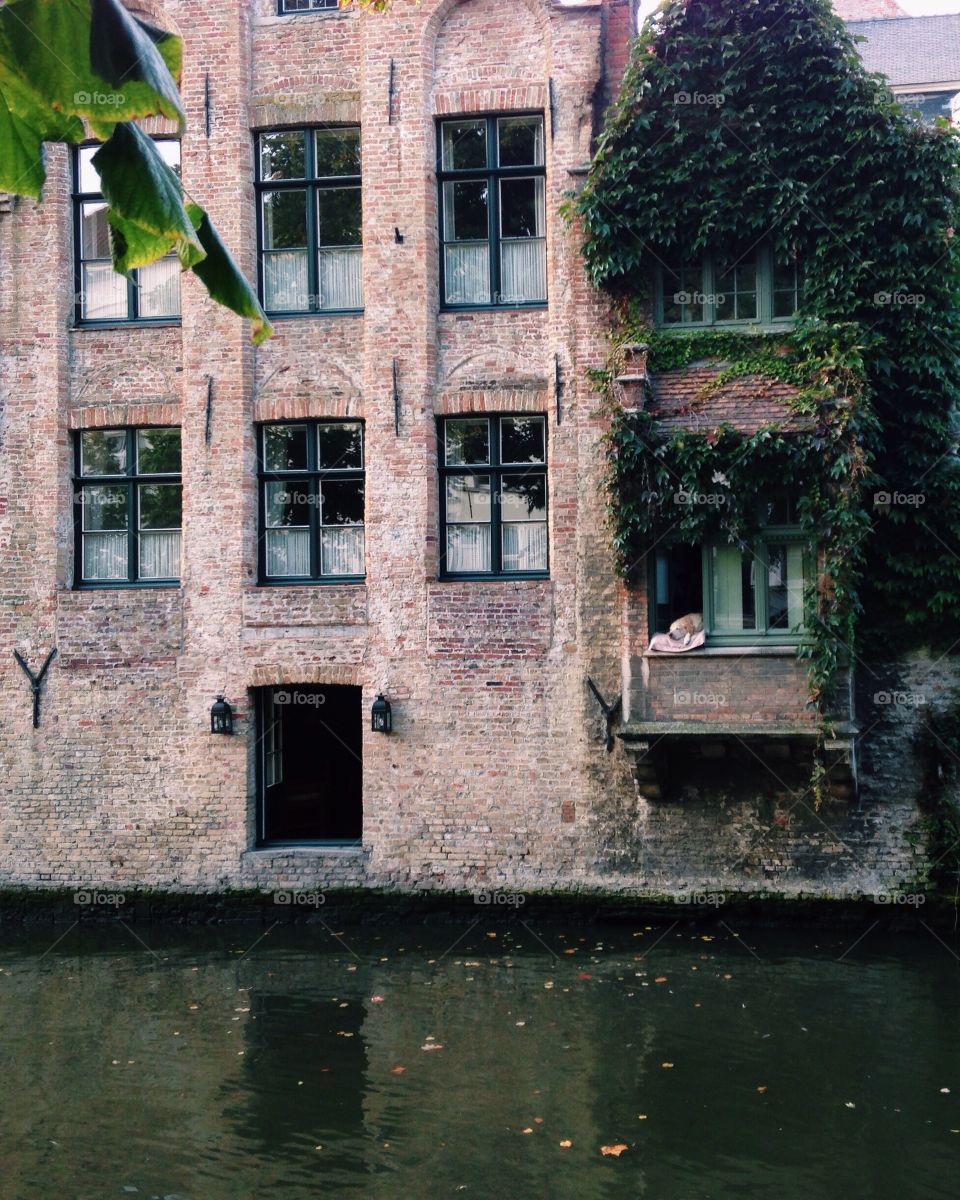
{"x":316,"y":492}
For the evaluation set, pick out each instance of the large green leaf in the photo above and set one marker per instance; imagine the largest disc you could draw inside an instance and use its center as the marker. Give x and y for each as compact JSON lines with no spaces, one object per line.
{"x":146,"y":201}
{"x":61,"y":60}
{"x":222,"y":277}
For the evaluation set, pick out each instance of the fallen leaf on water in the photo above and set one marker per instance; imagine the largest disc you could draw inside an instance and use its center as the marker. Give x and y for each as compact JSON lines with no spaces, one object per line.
{"x":660,"y":979}
{"x":762,"y":1089}
{"x":432,"y":1046}
{"x":944,"y":1091}
{"x":573,"y":951}
{"x":666,"y":1066}
{"x":641,"y":1116}
{"x":548,"y":984}
{"x":584,"y":975}
{"x":538,"y":1120}
{"x":849,"y":1104}
{"x":615,"y":1150}
{"x":491,"y":935}
{"x":566,"y":1143}
{"x":397,"y":1070}
{"x":728,"y":976}
{"x":527,"y":1130}
{"x":376,"y":999}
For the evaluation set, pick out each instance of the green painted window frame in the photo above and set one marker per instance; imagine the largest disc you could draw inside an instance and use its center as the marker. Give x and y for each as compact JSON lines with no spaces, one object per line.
{"x":758,"y":546}
{"x":763,"y":259}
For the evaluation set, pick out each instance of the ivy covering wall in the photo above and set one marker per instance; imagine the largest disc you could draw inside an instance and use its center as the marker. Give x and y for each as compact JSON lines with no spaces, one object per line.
{"x":743,"y":122}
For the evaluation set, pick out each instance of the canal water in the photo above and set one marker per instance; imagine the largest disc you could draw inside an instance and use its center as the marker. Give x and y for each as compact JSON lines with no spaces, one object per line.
{"x":478,"y":1060}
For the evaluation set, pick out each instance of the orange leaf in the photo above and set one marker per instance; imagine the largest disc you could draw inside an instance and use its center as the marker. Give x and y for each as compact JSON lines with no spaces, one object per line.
{"x":566,"y":1143}
{"x":615,"y":1150}
{"x":660,"y":979}
{"x":397,"y":1070}
{"x":666,"y":1066}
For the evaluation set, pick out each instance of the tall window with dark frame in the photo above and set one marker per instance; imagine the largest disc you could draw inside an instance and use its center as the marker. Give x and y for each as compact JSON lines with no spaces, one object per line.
{"x":493,"y":502}
{"x":309,"y":220}
{"x":492,"y":211}
{"x":150,"y":293}
{"x":127,"y":506}
{"x":311,"y":502}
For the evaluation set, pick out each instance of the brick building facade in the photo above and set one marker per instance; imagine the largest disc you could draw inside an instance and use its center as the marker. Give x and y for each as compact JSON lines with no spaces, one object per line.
{"x":497,"y":772}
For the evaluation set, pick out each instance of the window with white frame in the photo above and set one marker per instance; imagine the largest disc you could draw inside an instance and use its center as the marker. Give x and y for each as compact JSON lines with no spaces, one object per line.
{"x":492,"y":212}
{"x":493,"y":500}
{"x":127,"y":506}
{"x":150,"y":293}
{"x":309,"y":220}
{"x":751,"y":290}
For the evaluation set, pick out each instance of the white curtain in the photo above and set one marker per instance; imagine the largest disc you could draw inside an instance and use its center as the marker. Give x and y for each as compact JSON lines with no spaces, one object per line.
{"x":728,"y":612}
{"x":105,"y":555}
{"x":288,"y":552}
{"x":467,"y":273}
{"x":794,"y":585}
{"x":160,"y":288}
{"x":104,"y":295}
{"x":160,"y":554}
{"x":285,"y":286}
{"x":468,"y":547}
{"x":523,"y":270}
{"x":341,"y":550}
{"x":525,"y":546}
{"x":341,"y":277}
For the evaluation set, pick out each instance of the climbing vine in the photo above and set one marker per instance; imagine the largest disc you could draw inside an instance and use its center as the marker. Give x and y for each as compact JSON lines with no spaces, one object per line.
{"x":748,"y":122}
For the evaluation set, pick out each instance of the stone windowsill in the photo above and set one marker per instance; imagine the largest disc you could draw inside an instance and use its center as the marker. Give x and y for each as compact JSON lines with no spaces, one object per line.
{"x":724,"y":652}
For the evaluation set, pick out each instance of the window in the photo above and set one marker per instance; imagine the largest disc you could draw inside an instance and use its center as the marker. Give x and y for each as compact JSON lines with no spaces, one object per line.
{"x":298,"y":6}
{"x":928,"y":106}
{"x":491,"y":173}
{"x":150,"y":293}
{"x":308,"y":221}
{"x":311,"y":501}
{"x":745,"y":591}
{"x":128,"y":499}
{"x":493,"y":496}
{"x":754,"y":290}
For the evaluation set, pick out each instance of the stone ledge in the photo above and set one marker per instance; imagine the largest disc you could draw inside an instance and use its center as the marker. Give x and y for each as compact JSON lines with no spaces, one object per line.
{"x":724,"y":652}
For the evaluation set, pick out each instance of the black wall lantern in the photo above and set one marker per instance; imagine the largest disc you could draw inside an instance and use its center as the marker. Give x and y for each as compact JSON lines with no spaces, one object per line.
{"x":381,"y":715}
{"x":221,"y":716}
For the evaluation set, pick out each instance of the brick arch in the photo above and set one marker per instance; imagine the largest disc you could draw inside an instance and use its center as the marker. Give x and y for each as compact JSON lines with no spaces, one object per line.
{"x":488,"y":55}
{"x":288,"y":392}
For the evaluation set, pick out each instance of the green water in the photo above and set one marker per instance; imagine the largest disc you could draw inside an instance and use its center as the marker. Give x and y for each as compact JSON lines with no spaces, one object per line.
{"x":230,"y":1063}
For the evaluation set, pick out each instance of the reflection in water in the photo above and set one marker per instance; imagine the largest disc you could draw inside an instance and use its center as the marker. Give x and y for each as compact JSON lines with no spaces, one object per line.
{"x":389,"y":1065}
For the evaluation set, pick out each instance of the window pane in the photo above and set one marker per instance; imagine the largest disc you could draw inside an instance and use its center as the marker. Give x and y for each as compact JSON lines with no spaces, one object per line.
{"x":524,"y":499}
{"x":340,"y":278}
{"x":734,"y":576}
{"x":285,"y":281}
{"x":103,"y":452}
{"x":287,"y":504}
{"x":785,"y":290}
{"x":466,"y":264}
{"x":521,"y":208}
{"x":682,"y":295}
{"x":779,"y":510}
{"x":158,"y":451}
{"x":737,"y":293}
{"x":160,"y":555}
{"x":465,"y":211}
{"x":466,"y":442}
{"x":159,"y":288}
{"x":94,"y":230}
{"x":342,"y":502}
{"x":169,"y":151}
{"x":338,"y":216}
{"x":341,"y":551}
{"x":284,"y":219}
{"x":338,"y":152}
{"x":521,"y":440}
{"x":288,"y":552}
{"x":525,"y":547}
{"x":468,"y":498}
{"x":281,"y":155}
{"x":468,"y":548}
{"x":464,"y":145}
{"x":785,"y":585}
{"x":104,"y":508}
{"x":88,"y":177}
{"x":679,"y":584}
{"x":105,"y":556}
{"x":104,"y":293}
{"x":285,"y":447}
{"x":521,"y":141}
{"x":160,"y":505}
{"x":341,"y":446}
